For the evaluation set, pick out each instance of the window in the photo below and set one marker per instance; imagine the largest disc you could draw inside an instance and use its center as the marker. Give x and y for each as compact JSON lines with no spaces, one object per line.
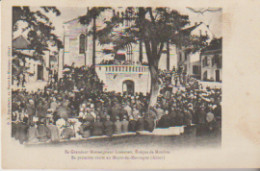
{"x":205,"y":61}
{"x":196,"y":70}
{"x":82,"y":43}
{"x":186,"y":56}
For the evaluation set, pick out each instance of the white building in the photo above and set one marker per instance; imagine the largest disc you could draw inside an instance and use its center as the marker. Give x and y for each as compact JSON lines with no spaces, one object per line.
{"x":133,"y":76}
{"x":36,"y":71}
{"x":190,"y":62}
{"x":211,"y":62}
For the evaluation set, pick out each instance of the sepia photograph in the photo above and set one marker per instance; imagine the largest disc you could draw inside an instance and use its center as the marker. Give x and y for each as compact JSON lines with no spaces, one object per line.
{"x":135,"y":85}
{"x":128,"y":75}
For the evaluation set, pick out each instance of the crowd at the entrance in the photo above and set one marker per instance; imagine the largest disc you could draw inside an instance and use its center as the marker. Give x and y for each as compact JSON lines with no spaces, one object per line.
{"x":77,"y":106}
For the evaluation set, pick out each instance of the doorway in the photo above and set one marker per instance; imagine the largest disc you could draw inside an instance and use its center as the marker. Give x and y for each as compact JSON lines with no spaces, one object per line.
{"x":40,"y":72}
{"x":217,"y":75}
{"x":129,"y":87}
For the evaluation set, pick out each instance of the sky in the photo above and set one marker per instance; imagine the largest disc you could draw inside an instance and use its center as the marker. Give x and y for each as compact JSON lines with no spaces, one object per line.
{"x":211,"y":18}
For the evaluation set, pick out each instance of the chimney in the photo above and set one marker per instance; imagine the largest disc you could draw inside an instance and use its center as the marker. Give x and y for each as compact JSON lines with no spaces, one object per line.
{"x":196,"y":23}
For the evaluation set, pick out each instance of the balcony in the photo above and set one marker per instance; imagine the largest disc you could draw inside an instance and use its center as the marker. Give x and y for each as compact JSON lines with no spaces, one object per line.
{"x":122,"y":68}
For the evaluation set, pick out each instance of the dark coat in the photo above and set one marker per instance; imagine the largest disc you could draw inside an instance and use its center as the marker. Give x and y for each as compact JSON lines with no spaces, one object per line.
{"x":165,"y":122}
{"x":21,"y":132}
{"x":33,"y":134}
{"x":109,"y":128}
{"x":44,"y":133}
{"x":125,"y":126}
{"x":84,"y":130}
{"x":55,"y":135}
{"x":140,"y":124}
{"x":132,"y":126}
{"x":149,"y":124}
{"x":97,"y":128}
{"x":117,"y":127}
{"x":67,"y":133}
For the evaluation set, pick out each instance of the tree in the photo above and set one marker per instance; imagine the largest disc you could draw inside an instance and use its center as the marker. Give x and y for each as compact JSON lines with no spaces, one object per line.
{"x":155,"y":28}
{"x":39,"y":30}
{"x":92,"y":15}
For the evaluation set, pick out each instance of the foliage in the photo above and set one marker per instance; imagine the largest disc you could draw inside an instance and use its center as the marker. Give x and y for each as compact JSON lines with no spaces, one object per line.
{"x":39,"y":27}
{"x":155,"y":28}
{"x":39,"y":30}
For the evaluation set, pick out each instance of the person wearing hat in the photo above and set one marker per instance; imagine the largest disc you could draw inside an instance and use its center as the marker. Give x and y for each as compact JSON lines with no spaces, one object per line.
{"x":30,"y":110}
{"x":132,"y":124}
{"x":84,"y":129}
{"x":159,"y":112}
{"x":187,"y":117}
{"x":127,"y":108}
{"x":55,"y":134}
{"x":44,"y":133}
{"x":33,"y":133}
{"x":140,"y":123}
{"x":54,"y":105}
{"x":136,"y":113}
{"x":21,"y":130}
{"x":124,"y":124}
{"x":165,"y":121}
{"x":67,"y":133}
{"x":117,"y":126}
{"x":49,"y":116}
{"x":97,"y":127}
{"x":108,"y":126}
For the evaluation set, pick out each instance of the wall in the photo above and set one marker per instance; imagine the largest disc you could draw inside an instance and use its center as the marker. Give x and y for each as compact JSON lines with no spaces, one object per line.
{"x":211,"y":70}
{"x":113,"y":79}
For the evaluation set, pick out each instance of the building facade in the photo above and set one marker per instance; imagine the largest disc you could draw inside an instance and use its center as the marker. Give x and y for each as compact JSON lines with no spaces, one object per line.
{"x":190,"y":62}
{"x":211,"y":65}
{"x":123,"y":70}
{"x":23,"y":56}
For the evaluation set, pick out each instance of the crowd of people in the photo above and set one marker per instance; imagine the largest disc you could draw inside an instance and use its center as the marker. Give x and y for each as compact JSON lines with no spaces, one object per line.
{"x":77,"y":106}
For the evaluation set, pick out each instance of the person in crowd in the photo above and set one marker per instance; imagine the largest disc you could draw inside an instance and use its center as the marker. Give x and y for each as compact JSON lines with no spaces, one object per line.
{"x":85,"y":129}
{"x":54,"y":131}
{"x":33,"y":133}
{"x":140,"y":123}
{"x":77,"y":95}
{"x":67,"y":133}
{"x":124,"y":124}
{"x":30,"y":110}
{"x":108,"y":126}
{"x":117,"y":126}
{"x":128,"y":109}
{"x":165,"y":121}
{"x":21,"y":130}
{"x":44,"y":133}
{"x":97,"y":127}
{"x":132,"y":124}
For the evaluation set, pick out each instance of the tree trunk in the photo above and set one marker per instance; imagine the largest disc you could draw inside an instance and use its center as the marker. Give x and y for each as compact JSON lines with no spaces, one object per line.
{"x":168,"y":55}
{"x":94,"y":43}
{"x":154,"y":91}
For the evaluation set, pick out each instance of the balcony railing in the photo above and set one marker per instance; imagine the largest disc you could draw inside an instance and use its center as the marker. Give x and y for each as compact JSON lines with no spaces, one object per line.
{"x":123,"y":68}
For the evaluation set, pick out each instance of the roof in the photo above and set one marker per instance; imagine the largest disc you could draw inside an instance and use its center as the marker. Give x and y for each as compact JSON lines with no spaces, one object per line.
{"x":20,"y":42}
{"x":189,"y":29}
{"x":66,"y":22}
{"x":215,"y":45}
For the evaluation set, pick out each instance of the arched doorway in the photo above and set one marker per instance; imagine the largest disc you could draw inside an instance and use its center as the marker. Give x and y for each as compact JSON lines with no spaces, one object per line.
{"x":128,"y":87}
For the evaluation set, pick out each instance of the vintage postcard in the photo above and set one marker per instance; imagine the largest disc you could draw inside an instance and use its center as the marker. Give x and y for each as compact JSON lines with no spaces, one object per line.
{"x":130,"y":84}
